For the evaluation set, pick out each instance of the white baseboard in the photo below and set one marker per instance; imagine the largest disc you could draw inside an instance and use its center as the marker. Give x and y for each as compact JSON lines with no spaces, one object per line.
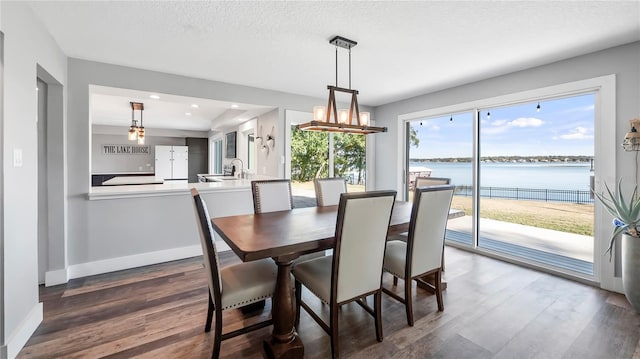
{"x":61,"y":276}
{"x":132,"y":261}
{"x":19,"y":338}
{"x":55,"y":277}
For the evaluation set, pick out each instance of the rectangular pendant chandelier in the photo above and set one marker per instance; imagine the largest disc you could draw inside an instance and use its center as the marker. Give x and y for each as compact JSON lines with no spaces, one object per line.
{"x":333,"y":120}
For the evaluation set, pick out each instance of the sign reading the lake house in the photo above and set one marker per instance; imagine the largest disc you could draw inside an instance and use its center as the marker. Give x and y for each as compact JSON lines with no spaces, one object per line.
{"x":125,"y":150}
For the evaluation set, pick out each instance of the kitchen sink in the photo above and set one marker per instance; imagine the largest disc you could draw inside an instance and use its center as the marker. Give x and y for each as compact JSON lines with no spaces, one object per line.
{"x":215,"y":178}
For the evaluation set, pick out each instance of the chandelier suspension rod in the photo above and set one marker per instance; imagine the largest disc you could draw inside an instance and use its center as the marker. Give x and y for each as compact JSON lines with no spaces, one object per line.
{"x":336,"y":65}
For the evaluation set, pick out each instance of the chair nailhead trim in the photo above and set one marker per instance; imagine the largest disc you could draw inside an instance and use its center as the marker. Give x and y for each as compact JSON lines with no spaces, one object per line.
{"x":247,"y":302}
{"x":317,"y":295}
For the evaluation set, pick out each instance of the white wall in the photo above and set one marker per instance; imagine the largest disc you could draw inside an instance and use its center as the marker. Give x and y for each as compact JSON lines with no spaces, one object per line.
{"x":26,"y":45}
{"x":269,"y":163}
{"x":85,"y":233}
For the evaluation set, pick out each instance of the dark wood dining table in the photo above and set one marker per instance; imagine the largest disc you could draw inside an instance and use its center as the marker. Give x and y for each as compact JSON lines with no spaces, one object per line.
{"x":284,"y":236}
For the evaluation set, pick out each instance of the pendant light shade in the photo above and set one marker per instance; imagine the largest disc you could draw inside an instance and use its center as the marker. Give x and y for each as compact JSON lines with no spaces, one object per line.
{"x":136,"y":132}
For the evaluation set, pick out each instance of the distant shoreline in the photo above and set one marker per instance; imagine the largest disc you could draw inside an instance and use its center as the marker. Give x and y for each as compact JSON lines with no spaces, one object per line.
{"x":511,"y":159}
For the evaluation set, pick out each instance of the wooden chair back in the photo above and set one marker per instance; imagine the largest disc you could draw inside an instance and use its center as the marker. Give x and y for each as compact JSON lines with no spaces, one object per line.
{"x":207,"y":240}
{"x":427,"y":227}
{"x":361,"y":233}
{"x":328,"y":190}
{"x":431,"y":181}
{"x":271,"y":195}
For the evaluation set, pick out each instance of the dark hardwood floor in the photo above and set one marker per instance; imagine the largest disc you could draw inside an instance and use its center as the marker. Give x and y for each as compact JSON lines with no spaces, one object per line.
{"x":492,"y":310}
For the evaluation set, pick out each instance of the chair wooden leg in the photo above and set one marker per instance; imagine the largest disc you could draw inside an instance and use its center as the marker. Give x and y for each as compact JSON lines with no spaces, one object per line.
{"x":395,"y":281}
{"x":438,"y":285}
{"x":408,"y":303}
{"x":333,"y":325}
{"x":298,"y":290}
{"x":378,"y":310}
{"x":217,"y":338}
{"x":207,"y":325}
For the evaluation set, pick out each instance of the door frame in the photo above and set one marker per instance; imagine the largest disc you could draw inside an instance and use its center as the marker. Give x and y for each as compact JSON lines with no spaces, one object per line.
{"x":604,"y":88}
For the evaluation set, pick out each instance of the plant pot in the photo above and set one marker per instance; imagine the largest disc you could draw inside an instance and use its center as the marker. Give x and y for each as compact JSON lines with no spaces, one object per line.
{"x":631,"y":270}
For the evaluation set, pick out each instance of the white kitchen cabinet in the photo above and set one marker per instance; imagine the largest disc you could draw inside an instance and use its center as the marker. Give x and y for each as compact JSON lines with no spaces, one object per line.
{"x":172,"y":162}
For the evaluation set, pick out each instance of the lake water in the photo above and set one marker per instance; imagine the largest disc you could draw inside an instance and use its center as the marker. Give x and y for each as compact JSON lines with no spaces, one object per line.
{"x":565,"y":176}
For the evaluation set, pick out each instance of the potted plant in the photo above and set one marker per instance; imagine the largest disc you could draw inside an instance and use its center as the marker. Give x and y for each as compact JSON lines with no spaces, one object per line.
{"x":626,"y":213}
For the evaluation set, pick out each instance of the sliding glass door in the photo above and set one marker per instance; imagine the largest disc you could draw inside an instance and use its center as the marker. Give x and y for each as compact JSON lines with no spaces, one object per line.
{"x":443,"y":147}
{"x":526,"y":168}
{"x":536,"y":170}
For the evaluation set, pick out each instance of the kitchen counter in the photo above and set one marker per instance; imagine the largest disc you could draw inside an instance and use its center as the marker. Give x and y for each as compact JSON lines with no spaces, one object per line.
{"x":170,"y":189}
{"x":137,"y":225}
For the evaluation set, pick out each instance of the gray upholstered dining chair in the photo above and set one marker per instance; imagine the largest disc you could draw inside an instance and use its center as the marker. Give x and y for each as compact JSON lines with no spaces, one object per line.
{"x":233,"y":286}
{"x":349,"y":274}
{"x":431,"y":181}
{"x":328,"y":190}
{"x":421,"y":254}
{"x":271,"y":195}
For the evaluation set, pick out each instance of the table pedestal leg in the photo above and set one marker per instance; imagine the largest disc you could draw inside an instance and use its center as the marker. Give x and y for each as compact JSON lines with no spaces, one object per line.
{"x":284,"y":341}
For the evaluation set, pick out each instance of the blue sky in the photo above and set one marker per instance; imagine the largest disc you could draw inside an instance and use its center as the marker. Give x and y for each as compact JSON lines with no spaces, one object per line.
{"x":561,"y":127}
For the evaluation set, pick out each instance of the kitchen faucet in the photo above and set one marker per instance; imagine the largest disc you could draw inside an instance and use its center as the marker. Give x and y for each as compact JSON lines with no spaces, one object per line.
{"x":241,"y":175}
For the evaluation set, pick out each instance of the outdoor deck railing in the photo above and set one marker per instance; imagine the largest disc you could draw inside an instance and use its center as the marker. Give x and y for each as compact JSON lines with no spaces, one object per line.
{"x":535,"y":194}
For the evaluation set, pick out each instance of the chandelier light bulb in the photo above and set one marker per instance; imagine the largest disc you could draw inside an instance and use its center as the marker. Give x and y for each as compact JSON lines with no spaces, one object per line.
{"x":133,"y":133}
{"x":318,"y":113}
{"x":343,"y":116}
{"x":365,"y":119}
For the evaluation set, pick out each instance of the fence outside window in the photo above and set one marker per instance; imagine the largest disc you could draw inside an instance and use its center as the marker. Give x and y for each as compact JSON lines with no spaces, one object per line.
{"x":534,"y":194}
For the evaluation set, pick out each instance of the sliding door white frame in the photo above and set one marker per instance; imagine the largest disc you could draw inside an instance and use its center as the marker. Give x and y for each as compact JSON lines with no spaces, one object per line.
{"x":604,"y":153}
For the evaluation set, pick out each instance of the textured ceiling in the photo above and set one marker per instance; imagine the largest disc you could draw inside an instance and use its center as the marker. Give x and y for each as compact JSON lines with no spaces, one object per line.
{"x":404,"y":48}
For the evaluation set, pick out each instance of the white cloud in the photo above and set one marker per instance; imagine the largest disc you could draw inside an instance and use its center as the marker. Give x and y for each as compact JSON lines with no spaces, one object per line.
{"x":578,"y":133}
{"x":526,"y":122}
{"x":435,"y":128}
{"x":502,"y":126}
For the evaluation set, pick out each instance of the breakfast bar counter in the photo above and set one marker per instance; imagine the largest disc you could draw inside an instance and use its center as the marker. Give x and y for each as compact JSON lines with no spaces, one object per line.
{"x":170,"y":188}
{"x":135,"y":225}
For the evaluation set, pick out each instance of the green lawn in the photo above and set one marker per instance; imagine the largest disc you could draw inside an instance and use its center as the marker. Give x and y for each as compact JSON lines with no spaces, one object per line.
{"x":565,"y":217}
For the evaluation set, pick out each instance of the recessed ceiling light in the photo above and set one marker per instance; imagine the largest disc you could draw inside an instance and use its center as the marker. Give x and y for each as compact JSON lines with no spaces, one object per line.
{"x":188,"y":113}
{"x":234,"y":106}
{"x":195,"y":105}
{"x":155,"y":97}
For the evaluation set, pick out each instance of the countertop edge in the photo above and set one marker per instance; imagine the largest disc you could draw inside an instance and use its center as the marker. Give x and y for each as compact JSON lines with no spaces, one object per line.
{"x":160,"y":190}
